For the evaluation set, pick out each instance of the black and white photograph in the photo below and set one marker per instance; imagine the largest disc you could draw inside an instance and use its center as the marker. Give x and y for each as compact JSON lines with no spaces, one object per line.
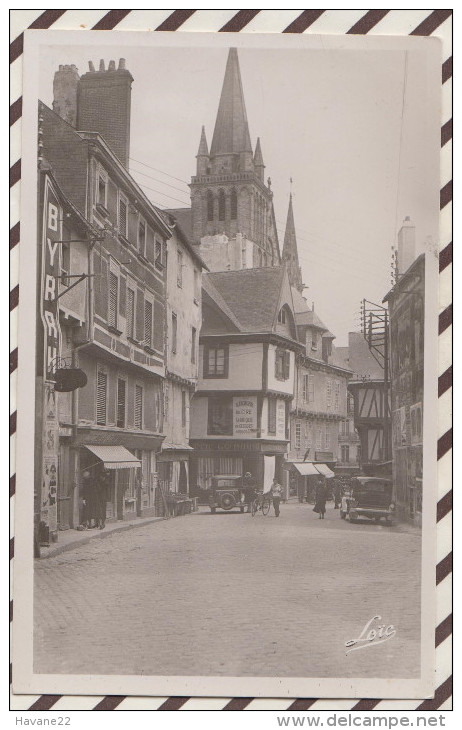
{"x":228,"y":382}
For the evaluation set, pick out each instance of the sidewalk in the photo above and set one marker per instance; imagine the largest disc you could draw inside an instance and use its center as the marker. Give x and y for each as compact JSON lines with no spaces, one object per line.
{"x":70,"y":539}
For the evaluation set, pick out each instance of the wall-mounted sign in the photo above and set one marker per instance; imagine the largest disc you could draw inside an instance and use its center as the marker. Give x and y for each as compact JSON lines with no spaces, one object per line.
{"x":244,"y":415}
{"x":49,"y":283}
{"x":281,"y":420}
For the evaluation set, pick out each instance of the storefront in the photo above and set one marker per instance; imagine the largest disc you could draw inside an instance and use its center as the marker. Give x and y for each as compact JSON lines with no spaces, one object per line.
{"x":303,"y":477}
{"x":123,"y":478}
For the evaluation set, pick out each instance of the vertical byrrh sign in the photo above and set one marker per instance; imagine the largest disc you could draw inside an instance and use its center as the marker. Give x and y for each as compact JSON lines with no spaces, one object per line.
{"x":52,"y":214}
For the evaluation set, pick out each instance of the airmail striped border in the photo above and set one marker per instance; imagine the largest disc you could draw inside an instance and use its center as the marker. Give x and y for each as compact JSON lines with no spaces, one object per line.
{"x":381,"y":22}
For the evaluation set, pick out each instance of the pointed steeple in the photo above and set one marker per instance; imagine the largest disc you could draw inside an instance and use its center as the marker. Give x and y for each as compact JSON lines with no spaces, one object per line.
{"x":231,"y":133}
{"x":202,"y":156}
{"x":290,"y":252}
{"x":258,"y":161}
{"x":203,"y":146}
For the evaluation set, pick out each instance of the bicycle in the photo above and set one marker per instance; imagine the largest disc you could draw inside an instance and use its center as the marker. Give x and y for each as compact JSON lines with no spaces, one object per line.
{"x":261,"y":503}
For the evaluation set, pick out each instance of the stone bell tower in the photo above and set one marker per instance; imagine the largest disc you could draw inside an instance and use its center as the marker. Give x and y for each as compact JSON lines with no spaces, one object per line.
{"x":232,"y":208}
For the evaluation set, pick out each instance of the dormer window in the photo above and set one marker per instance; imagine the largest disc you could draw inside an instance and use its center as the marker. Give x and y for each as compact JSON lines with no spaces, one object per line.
{"x":314,"y":340}
{"x":101,"y":189}
{"x":282,"y":316}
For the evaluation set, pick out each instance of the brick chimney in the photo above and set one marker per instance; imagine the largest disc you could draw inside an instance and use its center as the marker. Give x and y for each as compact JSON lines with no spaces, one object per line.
{"x":65,"y":85}
{"x":104,"y":102}
{"x":406,"y":245}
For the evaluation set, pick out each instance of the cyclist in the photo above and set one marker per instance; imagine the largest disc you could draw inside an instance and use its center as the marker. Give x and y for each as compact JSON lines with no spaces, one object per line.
{"x":249,"y":484}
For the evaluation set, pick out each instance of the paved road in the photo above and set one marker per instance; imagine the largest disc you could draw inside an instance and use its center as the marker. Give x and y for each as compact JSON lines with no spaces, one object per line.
{"x":228,"y":594}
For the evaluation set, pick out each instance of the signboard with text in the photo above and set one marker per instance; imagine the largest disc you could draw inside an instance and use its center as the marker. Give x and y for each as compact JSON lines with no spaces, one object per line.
{"x":244,"y":415}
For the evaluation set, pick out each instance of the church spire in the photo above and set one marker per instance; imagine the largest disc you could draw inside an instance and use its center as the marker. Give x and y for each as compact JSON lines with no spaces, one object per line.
{"x":203,"y":146}
{"x":290,"y":252}
{"x":231,"y":133}
{"x":258,"y":161}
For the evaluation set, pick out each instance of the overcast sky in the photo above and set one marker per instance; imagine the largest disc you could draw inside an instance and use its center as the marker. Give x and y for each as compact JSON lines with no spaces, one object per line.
{"x":331,"y":119}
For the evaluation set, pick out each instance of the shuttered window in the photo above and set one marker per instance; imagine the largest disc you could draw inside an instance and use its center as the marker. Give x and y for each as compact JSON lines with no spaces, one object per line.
{"x":272,"y":405}
{"x":216,"y":361}
{"x":298,"y":434}
{"x":113,"y":298}
{"x":141,"y":237}
{"x":130,"y":313}
{"x":138,"y":406}
{"x":123,"y":217}
{"x":305,"y":388}
{"x":147,"y":323}
{"x":101,"y":397}
{"x":121,"y":398}
{"x":158,"y":254}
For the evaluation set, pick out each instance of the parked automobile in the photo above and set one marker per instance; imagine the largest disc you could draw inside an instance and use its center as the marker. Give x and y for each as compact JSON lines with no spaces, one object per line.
{"x":226,"y":493}
{"x":368,"y":497}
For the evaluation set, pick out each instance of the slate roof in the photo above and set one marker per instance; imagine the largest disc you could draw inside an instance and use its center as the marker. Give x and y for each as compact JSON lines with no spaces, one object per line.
{"x":183,"y":216}
{"x":310,"y":319}
{"x":361,"y":361}
{"x":252,"y":295}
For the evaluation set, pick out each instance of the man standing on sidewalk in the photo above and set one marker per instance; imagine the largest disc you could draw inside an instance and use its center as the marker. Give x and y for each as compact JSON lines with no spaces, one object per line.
{"x":276,"y":494}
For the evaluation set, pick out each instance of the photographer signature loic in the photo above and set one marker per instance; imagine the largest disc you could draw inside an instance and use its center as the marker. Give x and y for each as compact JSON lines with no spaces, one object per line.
{"x":371,"y":635}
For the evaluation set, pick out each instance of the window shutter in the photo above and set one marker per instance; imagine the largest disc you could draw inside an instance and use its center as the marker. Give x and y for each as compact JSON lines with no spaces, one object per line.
{"x":113,"y":297}
{"x":101,"y":397}
{"x":112,"y":201}
{"x":140,"y":315}
{"x":130,"y":312}
{"x":286,"y":365}
{"x":159,"y":324}
{"x":123,"y":296}
{"x":138,"y":406}
{"x":123,"y":217}
{"x":120,"y":403}
{"x":147,"y":323}
{"x":150,"y":246}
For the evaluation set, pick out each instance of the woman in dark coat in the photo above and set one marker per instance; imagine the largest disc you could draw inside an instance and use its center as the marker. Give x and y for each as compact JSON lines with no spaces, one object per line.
{"x":321,"y":497}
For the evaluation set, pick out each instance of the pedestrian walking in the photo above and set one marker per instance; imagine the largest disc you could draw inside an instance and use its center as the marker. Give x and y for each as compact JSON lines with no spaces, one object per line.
{"x":321,"y":498}
{"x":249,"y":484}
{"x":89,"y":500}
{"x":337,"y":492}
{"x":101,"y":488}
{"x":276,"y":494}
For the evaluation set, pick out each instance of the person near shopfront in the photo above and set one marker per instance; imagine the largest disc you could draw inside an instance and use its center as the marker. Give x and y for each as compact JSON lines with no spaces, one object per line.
{"x":101,"y":490}
{"x":337,"y":492}
{"x":89,"y":500}
{"x":249,"y":486}
{"x":321,"y":497}
{"x":276,"y":494}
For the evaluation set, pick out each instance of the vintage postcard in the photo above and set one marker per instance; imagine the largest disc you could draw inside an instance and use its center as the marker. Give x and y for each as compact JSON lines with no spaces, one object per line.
{"x":227,"y":388}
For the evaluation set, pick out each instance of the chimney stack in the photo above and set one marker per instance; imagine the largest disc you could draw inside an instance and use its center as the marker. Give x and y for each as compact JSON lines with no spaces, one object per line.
{"x":65,"y":86}
{"x":104,"y":104}
{"x":406,"y":245}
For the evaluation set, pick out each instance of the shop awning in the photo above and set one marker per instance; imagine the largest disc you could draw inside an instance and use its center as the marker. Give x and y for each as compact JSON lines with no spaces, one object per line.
{"x":306,"y":469}
{"x":114,"y":457}
{"x":324,"y":470}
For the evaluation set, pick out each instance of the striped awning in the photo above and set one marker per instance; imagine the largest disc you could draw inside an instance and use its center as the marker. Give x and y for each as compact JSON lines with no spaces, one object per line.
{"x":306,"y":469}
{"x":114,"y":457}
{"x":325,"y":471}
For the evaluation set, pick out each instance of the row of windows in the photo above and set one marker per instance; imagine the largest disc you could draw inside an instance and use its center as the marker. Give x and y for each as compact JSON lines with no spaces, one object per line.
{"x":345,"y":454}
{"x":102,"y":382}
{"x":216,"y":362}
{"x":148,"y":245}
{"x":308,"y":434}
{"x":332,"y":392}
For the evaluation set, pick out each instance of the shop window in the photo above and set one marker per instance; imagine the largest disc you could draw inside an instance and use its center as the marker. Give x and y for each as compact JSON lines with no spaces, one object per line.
{"x":220,"y":417}
{"x":216,"y":361}
{"x":101,"y":396}
{"x":138,"y":406}
{"x":121,"y":401}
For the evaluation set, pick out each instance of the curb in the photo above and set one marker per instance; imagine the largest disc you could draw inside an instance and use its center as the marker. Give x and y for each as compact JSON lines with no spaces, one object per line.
{"x":52,"y":552}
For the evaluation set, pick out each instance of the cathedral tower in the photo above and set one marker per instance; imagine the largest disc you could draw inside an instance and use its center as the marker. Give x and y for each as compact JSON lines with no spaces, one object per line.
{"x":232,"y":208}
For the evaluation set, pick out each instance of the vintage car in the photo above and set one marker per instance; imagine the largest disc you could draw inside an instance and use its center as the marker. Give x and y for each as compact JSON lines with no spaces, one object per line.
{"x":226,"y":492}
{"x":369,"y":497}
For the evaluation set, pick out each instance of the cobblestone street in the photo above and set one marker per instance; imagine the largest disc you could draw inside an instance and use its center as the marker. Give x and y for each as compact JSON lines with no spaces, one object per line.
{"x":228,"y":594}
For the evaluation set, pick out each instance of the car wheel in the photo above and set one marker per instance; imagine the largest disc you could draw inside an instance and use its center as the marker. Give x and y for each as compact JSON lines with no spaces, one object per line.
{"x":228,"y":501}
